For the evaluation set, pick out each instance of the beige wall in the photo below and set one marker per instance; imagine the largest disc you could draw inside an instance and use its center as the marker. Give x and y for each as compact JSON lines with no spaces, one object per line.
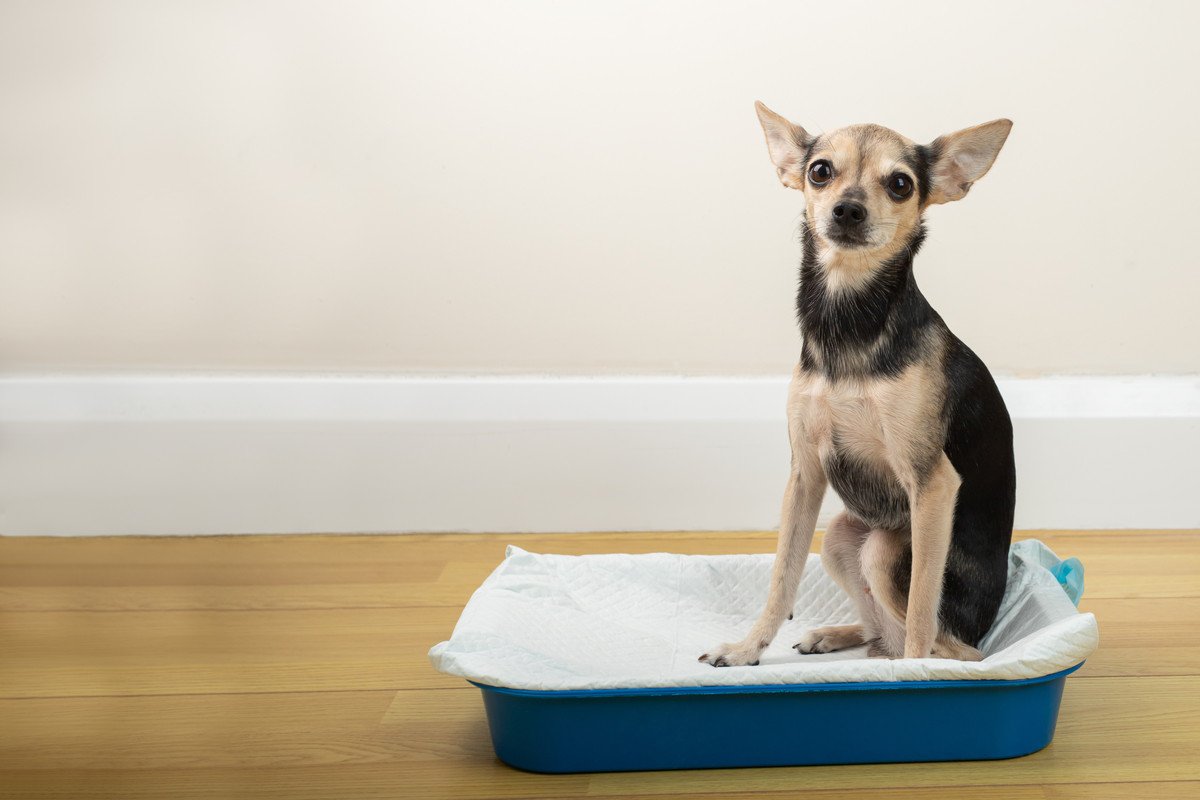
{"x":565,"y":187}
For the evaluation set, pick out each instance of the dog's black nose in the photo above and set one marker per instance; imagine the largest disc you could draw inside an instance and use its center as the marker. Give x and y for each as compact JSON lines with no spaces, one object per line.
{"x":849,"y":214}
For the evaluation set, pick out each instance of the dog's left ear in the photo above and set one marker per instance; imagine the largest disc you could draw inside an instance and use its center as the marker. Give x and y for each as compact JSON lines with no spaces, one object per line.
{"x":963,"y":157}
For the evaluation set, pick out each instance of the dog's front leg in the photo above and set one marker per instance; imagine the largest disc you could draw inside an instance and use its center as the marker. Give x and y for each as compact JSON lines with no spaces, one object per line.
{"x":801,"y":503}
{"x":932,"y":505}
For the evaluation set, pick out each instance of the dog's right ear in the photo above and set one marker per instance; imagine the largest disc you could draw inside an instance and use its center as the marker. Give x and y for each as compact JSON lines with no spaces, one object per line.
{"x":787,"y":144}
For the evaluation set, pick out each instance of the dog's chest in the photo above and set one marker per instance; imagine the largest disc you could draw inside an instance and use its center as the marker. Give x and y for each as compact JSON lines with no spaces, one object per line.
{"x":838,"y":416}
{"x":862,"y":433}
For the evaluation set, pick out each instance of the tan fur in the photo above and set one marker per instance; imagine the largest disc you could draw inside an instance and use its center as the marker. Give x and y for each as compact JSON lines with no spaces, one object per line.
{"x":832,"y":638}
{"x":893,"y":424}
{"x":969,"y":154}
{"x":785,"y":143}
{"x":932,"y":518}
{"x":883,"y":422}
{"x":879,"y":555}
{"x":841,"y":555}
{"x":869,"y":154}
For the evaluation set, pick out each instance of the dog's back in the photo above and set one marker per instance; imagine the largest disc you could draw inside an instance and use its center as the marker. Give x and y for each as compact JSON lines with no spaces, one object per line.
{"x":979,"y":443}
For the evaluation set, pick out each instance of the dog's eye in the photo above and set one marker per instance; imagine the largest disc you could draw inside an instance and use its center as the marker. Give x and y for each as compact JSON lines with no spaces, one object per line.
{"x":899,"y":186}
{"x":820,"y":173}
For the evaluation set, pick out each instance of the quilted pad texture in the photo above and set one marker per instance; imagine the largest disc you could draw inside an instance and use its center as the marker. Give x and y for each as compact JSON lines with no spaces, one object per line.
{"x":553,"y":622}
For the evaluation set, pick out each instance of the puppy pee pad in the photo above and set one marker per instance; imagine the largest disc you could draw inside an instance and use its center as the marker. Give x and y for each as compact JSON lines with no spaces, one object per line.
{"x":552,"y":622}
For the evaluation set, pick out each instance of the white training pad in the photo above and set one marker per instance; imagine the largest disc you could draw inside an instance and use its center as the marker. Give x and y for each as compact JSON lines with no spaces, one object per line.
{"x":627,"y":621}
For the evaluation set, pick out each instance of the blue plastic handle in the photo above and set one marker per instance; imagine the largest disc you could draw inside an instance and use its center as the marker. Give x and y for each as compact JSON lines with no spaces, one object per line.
{"x":1069,"y":574}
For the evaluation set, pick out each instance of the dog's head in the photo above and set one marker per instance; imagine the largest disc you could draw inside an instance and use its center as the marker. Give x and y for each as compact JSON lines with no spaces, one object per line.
{"x":866,"y":186}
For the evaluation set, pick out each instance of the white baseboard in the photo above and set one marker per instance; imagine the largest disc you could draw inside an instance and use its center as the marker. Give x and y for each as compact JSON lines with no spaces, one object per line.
{"x":199,"y":454}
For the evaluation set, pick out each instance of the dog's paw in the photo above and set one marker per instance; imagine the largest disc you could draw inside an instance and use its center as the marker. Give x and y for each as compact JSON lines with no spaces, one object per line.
{"x":733,"y":655}
{"x":830,"y":638}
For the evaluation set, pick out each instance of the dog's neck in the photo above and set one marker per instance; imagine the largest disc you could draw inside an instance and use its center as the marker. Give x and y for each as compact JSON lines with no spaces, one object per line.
{"x":860,"y":317}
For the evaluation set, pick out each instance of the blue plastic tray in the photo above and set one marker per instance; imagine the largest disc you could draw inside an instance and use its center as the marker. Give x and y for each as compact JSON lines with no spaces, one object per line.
{"x":758,"y":726}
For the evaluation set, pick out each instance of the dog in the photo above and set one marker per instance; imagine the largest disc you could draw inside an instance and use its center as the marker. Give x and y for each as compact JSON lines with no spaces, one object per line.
{"x":887,"y":406}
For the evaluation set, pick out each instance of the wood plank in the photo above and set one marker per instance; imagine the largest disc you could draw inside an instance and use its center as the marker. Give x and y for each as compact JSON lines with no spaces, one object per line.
{"x":382,"y":782}
{"x":1157,"y":636}
{"x":1160,"y":790}
{"x":53,"y":654}
{"x":317,"y":572}
{"x":240,"y":597}
{"x":184,"y":731}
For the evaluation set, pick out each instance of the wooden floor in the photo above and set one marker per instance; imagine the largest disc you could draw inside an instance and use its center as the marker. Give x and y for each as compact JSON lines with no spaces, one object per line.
{"x":296,"y":667}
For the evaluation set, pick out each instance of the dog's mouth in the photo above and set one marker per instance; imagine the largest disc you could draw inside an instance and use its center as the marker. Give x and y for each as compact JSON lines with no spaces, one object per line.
{"x":848,"y":240}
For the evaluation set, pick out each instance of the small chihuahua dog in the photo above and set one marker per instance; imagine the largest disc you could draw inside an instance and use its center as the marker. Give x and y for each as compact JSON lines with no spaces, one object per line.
{"x":887,"y":405}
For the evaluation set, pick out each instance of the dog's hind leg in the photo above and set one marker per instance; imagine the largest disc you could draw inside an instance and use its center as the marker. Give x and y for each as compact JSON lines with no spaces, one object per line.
{"x":887,"y":565}
{"x":886,"y":559}
{"x":840,"y":556}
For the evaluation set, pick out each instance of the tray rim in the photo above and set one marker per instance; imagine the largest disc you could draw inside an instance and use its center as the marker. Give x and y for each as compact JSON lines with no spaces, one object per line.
{"x":778,"y":688}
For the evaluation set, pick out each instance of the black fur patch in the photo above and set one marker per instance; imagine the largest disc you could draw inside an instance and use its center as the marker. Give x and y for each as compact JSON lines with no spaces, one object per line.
{"x":872,"y":496}
{"x":812,"y":145}
{"x":921,"y":160}
{"x":888,"y":317}
{"x":978,"y":443}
